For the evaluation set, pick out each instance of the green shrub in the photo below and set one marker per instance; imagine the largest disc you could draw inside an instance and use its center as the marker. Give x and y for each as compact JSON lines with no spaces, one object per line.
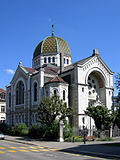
{"x":4,"y":128}
{"x":19,"y":130}
{"x":105,"y":139}
{"x":74,"y":139}
{"x":51,"y":131}
{"x":68,"y":131}
{"x":36,"y":131}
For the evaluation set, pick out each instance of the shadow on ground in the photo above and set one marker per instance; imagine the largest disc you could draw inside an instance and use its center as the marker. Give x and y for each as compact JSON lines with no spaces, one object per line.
{"x":96,"y":150}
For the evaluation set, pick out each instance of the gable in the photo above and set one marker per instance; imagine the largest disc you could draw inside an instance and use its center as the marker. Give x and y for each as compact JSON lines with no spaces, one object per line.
{"x":19,"y":73}
{"x":94,"y":61}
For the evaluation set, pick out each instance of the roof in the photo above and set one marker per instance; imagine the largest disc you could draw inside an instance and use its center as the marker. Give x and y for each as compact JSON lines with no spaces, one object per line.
{"x":2,"y":90}
{"x":50,"y":45}
{"x":30,"y":70}
{"x":56,"y":79}
{"x":51,"y":70}
{"x":71,"y":66}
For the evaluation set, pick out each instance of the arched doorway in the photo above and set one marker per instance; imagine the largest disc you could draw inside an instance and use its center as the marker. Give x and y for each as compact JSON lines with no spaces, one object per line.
{"x":96,"y":89}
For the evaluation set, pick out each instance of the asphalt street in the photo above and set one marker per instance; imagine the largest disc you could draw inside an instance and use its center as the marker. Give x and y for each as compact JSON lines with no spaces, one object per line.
{"x":16,"y":151}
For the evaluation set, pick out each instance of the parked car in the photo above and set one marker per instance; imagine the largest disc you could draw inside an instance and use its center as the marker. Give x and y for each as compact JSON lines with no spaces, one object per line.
{"x":2,"y":136}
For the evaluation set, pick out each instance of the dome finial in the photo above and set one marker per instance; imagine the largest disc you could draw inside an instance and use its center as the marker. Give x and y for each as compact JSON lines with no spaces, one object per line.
{"x":52,"y":29}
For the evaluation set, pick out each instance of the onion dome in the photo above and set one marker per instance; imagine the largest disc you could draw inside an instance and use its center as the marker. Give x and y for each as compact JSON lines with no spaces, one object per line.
{"x":52,"y":45}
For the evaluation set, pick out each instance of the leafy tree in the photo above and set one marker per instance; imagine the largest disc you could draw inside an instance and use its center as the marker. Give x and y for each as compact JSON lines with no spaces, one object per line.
{"x":117,"y":81}
{"x":51,"y":109}
{"x":101,"y":116}
{"x":50,"y":112}
{"x":117,"y":115}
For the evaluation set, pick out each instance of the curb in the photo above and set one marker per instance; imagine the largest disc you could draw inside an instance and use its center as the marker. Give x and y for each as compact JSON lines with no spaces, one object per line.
{"x":20,"y":142}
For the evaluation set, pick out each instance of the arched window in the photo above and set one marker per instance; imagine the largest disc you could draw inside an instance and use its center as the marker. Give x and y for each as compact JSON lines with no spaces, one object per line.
{"x":45,"y":60}
{"x":20,"y":93}
{"x":64,"y":60}
{"x":49,"y":59}
{"x":9,"y":99}
{"x":53,"y":59}
{"x":64,"y":95}
{"x":55,"y":92}
{"x":35,"y":92}
{"x":67,"y":61}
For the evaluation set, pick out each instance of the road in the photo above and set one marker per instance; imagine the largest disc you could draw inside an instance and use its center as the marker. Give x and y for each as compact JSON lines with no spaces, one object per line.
{"x":17,"y":151}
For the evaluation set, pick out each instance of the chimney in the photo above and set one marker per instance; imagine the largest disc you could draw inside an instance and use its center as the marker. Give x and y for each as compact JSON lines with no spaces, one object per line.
{"x":95,"y":52}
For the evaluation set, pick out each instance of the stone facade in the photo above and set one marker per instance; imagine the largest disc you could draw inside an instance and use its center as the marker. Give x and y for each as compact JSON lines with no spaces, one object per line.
{"x":80,"y":84}
{"x":2,"y":106}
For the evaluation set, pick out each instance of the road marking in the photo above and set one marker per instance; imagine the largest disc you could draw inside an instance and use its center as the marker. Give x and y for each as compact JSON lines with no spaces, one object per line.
{"x":23,"y":147}
{"x":23,"y":150}
{"x":13,"y":147}
{"x":40,"y":147}
{"x":75,"y":154}
{"x":11,"y":151}
{"x":35,"y":150}
{"x":1,"y":152}
{"x":54,"y":149}
{"x":44,"y":150}
{"x":32,"y":147}
{"x":3,"y":148}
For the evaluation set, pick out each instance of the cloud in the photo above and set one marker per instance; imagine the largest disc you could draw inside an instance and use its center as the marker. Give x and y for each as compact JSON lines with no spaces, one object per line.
{"x":9,"y":71}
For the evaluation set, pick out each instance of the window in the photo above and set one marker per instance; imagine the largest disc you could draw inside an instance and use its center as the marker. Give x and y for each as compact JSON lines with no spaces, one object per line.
{"x":45,"y":60}
{"x":46,"y":93}
{"x":35,"y":92}
{"x":49,"y":60}
{"x":67,"y":61}
{"x":9,"y":99}
{"x":55,"y":92}
{"x":89,"y":78}
{"x":20,"y":93}
{"x":2,"y":109}
{"x":89,"y":85}
{"x":82,"y":89}
{"x":64,"y":95}
{"x":64,"y":60}
{"x":53,"y":59}
{"x":23,"y":118}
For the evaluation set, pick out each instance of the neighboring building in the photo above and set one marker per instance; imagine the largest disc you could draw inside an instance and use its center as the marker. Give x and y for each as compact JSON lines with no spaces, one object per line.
{"x":2,"y":106}
{"x":80,"y":84}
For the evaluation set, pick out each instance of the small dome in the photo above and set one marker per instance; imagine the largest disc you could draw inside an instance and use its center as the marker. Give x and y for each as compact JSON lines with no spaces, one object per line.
{"x":52,"y":45}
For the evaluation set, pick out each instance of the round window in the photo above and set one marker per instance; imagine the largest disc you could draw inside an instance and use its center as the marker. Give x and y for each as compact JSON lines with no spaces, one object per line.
{"x":89,"y":85}
{"x":89,"y":93}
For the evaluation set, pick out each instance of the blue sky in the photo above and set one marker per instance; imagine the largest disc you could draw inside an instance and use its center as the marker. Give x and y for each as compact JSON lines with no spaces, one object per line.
{"x":84,"y":24}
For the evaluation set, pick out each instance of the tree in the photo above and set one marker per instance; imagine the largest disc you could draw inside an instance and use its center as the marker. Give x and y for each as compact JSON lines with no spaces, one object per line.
{"x":51,"y":109}
{"x":117,"y":115}
{"x":50,"y":112}
{"x":101,"y":116}
{"x":117,"y":81}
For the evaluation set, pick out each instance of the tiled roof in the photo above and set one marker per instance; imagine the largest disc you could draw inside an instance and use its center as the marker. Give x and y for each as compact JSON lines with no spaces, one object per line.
{"x":2,"y":90}
{"x":52,"y":44}
{"x":71,"y":66}
{"x":56,"y":79}
{"x":30,"y":70}
{"x":51,"y":70}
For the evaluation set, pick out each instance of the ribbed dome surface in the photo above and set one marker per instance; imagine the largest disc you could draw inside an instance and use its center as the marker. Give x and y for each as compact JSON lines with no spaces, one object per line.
{"x":52,"y":45}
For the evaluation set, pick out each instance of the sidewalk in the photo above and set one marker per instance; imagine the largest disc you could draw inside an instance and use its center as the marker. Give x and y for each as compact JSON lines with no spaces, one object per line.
{"x":94,"y":148}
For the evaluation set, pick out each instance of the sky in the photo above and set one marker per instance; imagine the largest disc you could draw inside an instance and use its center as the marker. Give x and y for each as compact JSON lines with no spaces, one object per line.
{"x":83,"y":24}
